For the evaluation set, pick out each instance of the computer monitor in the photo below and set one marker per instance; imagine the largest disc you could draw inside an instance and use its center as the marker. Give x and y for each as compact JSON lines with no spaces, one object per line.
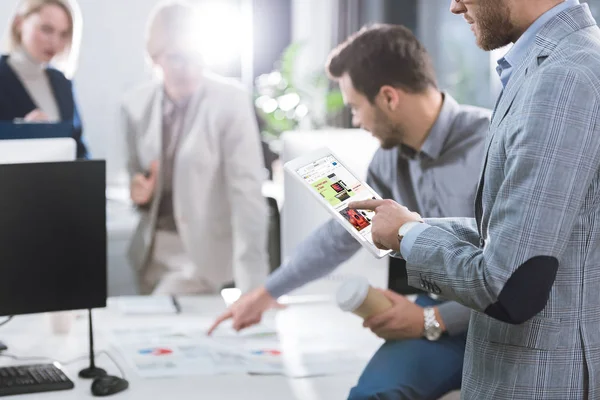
{"x":37,"y":150}
{"x":52,"y":237}
{"x":302,"y":214}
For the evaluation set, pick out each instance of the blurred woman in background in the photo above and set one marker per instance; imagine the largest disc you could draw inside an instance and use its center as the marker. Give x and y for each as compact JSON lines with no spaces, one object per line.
{"x":196,"y":170}
{"x":42,"y":50}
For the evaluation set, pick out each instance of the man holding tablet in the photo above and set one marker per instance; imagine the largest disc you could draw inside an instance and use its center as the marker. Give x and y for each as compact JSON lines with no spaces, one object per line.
{"x":528,"y":263}
{"x":430,"y":156}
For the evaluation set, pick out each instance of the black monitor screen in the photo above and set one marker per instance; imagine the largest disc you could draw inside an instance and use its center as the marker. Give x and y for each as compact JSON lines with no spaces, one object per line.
{"x":52,"y":237}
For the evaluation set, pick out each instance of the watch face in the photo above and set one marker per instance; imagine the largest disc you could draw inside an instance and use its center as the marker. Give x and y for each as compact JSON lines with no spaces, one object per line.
{"x":433,"y":332}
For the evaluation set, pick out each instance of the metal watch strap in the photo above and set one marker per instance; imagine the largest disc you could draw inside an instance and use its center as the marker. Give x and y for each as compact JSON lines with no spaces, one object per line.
{"x":433,"y":329}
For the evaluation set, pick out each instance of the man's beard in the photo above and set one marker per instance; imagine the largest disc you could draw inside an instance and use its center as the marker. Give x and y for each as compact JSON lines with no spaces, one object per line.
{"x":494,"y":27}
{"x":389,"y":143}
{"x":390,"y":135}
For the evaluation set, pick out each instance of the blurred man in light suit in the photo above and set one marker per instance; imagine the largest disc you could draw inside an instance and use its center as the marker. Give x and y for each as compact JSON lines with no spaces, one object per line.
{"x":196,"y":170}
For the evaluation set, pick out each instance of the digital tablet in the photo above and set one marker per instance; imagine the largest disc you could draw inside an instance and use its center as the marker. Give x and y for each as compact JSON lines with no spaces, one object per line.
{"x":334,"y":185}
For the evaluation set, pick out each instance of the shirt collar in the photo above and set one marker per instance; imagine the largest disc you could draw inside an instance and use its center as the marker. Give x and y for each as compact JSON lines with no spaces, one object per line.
{"x":518,"y":52}
{"x":170,"y":106}
{"x":27,"y":66}
{"x":432,"y":147}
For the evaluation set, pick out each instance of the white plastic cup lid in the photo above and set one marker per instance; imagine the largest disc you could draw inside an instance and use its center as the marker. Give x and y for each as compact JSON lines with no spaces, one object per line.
{"x":352,"y":293}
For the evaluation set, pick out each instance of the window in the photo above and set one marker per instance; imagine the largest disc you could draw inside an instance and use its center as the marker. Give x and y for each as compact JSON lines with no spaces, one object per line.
{"x":463,"y":70}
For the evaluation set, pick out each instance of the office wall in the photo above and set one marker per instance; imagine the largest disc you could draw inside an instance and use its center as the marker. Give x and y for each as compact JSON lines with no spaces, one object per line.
{"x":311,"y":25}
{"x":112,"y":58}
{"x":112,"y":61}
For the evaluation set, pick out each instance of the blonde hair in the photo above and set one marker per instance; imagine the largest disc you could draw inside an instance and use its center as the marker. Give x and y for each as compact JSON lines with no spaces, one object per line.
{"x":67,"y":60}
{"x":170,"y":22}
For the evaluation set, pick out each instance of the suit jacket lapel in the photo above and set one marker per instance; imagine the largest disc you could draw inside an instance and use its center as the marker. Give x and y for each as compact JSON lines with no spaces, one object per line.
{"x":153,"y":143}
{"x":155,"y":129}
{"x":22,"y":100}
{"x":565,"y":23}
{"x":512,"y":89}
{"x":62,"y":96}
{"x":503,"y":104}
{"x":191,"y":116}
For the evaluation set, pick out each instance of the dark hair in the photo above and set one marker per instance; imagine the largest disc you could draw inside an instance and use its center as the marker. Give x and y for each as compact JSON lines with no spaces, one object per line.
{"x":383,"y":54}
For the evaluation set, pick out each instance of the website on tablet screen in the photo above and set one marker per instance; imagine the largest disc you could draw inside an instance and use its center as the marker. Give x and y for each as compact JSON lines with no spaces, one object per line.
{"x":339,"y":187}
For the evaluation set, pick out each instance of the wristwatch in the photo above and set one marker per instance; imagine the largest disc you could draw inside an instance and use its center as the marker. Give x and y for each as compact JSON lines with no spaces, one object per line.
{"x":433,"y":329}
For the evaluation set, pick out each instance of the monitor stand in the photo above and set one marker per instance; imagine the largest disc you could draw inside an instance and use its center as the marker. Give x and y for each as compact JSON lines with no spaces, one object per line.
{"x":3,"y":346}
{"x":92,"y":371}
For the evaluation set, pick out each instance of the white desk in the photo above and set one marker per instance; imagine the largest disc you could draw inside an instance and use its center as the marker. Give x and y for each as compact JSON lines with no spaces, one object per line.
{"x":29,"y":336}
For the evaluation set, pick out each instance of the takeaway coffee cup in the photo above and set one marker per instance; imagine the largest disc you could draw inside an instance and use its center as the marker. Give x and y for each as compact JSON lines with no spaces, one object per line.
{"x":61,"y":322}
{"x":356,"y":295}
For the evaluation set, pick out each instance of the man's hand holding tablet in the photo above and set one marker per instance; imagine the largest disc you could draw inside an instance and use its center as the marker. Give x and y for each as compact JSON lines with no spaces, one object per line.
{"x":335,"y":187}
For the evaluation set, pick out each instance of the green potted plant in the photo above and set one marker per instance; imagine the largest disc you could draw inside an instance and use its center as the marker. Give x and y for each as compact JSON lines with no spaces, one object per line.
{"x":286,"y":102}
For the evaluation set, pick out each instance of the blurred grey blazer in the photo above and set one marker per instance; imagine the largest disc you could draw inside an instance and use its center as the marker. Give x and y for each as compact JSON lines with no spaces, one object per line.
{"x":220,"y":212}
{"x":529,"y":264}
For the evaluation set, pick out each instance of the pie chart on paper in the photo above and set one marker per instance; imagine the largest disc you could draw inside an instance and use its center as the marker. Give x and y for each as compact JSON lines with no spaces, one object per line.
{"x":266,"y":352}
{"x":156,"y":351}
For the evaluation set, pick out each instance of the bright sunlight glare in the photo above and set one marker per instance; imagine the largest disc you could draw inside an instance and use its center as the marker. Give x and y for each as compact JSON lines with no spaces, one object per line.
{"x":217,"y":31}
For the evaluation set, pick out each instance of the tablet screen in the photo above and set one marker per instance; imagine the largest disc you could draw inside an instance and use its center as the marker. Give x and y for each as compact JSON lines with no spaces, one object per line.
{"x":329,"y":178}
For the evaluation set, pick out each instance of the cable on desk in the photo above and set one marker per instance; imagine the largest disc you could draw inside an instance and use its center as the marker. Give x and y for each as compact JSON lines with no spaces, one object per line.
{"x":48,"y":359}
{"x":7,"y":320}
{"x":107,"y":354}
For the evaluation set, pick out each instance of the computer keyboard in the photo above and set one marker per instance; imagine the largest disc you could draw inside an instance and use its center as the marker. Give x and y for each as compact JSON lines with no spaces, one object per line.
{"x":36,"y":378}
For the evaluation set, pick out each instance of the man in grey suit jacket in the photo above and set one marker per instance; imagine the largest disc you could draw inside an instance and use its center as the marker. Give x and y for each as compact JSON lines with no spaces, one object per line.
{"x":528,"y":265}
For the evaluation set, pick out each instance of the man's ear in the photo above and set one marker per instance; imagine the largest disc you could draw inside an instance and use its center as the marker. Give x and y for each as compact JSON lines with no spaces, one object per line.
{"x":389,"y":98}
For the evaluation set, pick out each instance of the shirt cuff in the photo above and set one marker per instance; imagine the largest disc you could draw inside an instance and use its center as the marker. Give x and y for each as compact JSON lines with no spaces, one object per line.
{"x":410,"y":238}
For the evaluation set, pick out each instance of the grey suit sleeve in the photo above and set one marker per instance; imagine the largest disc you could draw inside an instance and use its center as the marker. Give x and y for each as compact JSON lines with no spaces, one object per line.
{"x":552,"y":154}
{"x":463,"y":228}
{"x":323,"y":251}
{"x":455,"y":315}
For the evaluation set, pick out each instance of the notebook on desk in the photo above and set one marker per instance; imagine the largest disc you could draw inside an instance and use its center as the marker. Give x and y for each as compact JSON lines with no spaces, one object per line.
{"x":12,"y":131}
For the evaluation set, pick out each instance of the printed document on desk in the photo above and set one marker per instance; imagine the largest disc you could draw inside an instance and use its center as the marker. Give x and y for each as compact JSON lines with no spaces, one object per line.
{"x":294,"y":364}
{"x":157,"y":352}
{"x":167,"y":352}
